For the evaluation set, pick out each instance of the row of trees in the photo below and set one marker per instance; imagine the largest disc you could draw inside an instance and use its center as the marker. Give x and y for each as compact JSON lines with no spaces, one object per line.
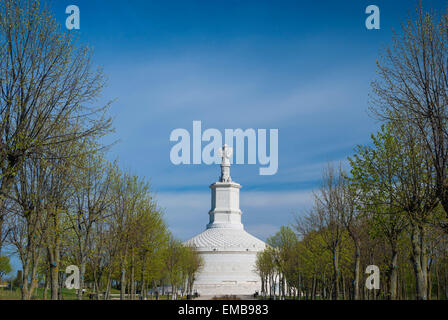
{"x":324,"y":254}
{"x":61,"y":202}
{"x":390,"y":207}
{"x":105,"y":222}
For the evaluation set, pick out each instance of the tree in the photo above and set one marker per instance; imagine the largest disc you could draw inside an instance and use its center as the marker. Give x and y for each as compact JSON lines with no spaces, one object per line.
{"x":29,"y":221}
{"x":151,"y":240}
{"x":91,"y":203}
{"x":283,"y":244}
{"x":5,"y":267}
{"x":397,"y":182}
{"x":63,"y":162}
{"x":374,"y":174}
{"x":45,"y":80}
{"x":327,"y":214}
{"x":412,"y":89}
{"x":264,"y":266}
{"x":192,"y":265}
{"x":173,"y":265}
{"x":353,"y":221}
{"x":128,"y":194}
{"x":316,"y":263}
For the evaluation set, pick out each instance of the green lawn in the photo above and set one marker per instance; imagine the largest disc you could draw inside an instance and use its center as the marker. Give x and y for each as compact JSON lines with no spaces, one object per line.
{"x":7,"y":294}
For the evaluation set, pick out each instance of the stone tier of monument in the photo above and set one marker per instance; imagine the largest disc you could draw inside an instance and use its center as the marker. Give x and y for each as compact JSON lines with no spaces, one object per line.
{"x":228,"y":251}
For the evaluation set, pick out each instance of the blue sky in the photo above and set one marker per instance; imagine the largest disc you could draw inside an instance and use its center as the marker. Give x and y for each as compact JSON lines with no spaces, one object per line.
{"x":303,"y":67}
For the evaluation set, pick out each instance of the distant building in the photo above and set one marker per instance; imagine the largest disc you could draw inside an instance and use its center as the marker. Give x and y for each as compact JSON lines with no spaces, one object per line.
{"x":229,"y":252}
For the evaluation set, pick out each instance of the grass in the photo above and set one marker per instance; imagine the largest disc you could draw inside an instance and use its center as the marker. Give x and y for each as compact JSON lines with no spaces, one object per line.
{"x":8,"y":294}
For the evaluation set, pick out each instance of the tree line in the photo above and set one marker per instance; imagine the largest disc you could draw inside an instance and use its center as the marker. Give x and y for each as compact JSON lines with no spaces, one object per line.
{"x":388,"y":207}
{"x":61,"y":201}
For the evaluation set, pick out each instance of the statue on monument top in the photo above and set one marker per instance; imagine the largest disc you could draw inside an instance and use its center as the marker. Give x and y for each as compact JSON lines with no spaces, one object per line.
{"x":225,"y":153}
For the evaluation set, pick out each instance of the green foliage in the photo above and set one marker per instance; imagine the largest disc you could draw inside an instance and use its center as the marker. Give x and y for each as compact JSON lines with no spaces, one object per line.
{"x":377,"y":173}
{"x":5,"y":266}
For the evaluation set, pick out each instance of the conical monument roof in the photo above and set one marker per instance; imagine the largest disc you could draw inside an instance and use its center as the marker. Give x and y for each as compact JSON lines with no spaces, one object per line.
{"x":225,"y":239}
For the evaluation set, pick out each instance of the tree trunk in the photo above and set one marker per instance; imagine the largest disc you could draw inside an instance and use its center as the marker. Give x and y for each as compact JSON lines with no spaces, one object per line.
{"x":7,"y":181}
{"x":53,"y":261}
{"x":24,"y":288}
{"x":283,"y":294}
{"x":46,"y":285}
{"x":394,"y":274}
{"x":82,"y":271}
{"x":54,"y":281}
{"x":2,"y":219}
{"x":313,"y":288}
{"x":53,"y":255}
{"x":357,"y":270}
{"x":123,"y":282}
{"x":429,"y":284}
{"x":419,"y":261}
{"x":438,"y":281}
{"x":28,"y":288}
{"x":336,"y":274}
{"x":131,"y":279}
{"x":108,"y":285}
{"x":142,"y":283}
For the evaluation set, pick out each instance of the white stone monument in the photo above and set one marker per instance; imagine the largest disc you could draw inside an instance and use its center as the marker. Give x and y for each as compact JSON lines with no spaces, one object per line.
{"x":229,"y":252}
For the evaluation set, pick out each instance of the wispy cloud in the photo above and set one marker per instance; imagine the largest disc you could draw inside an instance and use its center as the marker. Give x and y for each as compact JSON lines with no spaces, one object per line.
{"x":263,"y":212}
{"x":292,"y":199}
{"x":262,"y":231}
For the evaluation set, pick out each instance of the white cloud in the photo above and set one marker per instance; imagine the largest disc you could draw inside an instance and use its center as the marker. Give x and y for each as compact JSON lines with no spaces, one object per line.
{"x":180,"y":201}
{"x":263,"y":212}
{"x":291,"y":199}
